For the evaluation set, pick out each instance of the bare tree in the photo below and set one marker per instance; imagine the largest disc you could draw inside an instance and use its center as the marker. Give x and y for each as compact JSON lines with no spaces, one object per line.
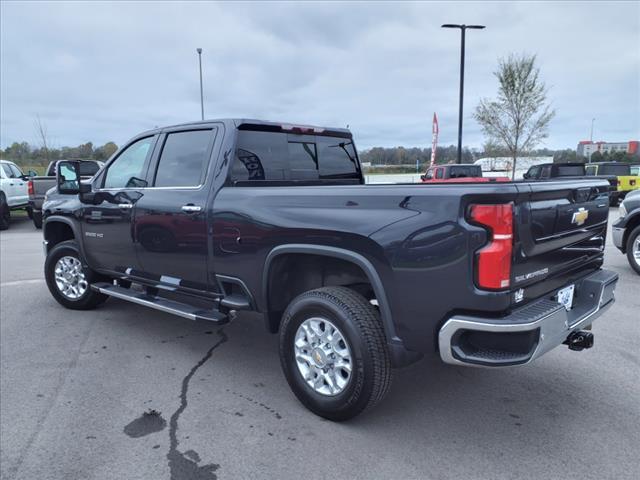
{"x":519,"y":118}
{"x":41,"y":131}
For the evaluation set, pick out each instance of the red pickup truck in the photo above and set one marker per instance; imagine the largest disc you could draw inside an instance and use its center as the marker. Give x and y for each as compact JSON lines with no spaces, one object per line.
{"x":459,"y":172}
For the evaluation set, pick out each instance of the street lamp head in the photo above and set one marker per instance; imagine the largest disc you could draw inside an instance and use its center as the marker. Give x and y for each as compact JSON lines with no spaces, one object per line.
{"x":199,"y":50}
{"x":463,"y":27}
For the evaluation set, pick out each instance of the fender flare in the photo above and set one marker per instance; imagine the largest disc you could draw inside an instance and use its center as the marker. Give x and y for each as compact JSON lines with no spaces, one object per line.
{"x":348,"y":255}
{"x":75,"y":228}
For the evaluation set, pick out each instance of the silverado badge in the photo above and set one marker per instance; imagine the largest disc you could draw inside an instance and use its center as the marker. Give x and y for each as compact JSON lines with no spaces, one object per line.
{"x":580,"y":216}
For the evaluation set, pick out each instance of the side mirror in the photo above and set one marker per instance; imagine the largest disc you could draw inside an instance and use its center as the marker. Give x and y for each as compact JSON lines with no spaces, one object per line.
{"x":68,"y":177}
{"x":525,"y":175}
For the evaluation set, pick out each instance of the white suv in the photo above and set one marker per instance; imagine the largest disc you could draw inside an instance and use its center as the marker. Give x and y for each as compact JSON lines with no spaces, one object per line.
{"x":13,"y":191}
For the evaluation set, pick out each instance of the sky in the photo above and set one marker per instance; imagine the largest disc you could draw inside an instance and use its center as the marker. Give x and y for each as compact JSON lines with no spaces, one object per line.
{"x":106,"y":71}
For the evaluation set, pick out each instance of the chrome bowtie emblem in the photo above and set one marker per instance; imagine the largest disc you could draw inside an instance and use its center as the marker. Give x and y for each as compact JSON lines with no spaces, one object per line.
{"x":580,"y":216}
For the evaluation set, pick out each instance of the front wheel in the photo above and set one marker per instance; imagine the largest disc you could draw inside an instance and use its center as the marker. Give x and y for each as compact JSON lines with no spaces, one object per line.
{"x":37,"y":219}
{"x":333,"y":352}
{"x":633,"y":249}
{"x":5,"y":213}
{"x":69,"y":281}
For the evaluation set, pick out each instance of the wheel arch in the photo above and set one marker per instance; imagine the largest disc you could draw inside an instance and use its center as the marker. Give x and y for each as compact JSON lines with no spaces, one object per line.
{"x":631,"y":224}
{"x":57,"y":229}
{"x":272,"y":318}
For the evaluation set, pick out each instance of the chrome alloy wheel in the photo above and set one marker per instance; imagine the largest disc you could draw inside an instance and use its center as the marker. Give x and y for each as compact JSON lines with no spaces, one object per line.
{"x":323,"y":356}
{"x":70,"y":278}
{"x":636,"y":250}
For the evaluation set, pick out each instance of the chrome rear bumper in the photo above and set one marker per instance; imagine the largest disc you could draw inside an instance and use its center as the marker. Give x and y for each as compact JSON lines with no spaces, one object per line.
{"x":528,"y":332}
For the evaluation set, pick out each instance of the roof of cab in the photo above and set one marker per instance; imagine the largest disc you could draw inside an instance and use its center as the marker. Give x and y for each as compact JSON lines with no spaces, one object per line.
{"x":236,"y":122}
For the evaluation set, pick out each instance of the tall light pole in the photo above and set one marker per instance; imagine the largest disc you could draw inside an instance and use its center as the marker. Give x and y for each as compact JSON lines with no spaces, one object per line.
{"x":463,"y":29}
{"x":591,"y":134}
{"x":199,"y":50}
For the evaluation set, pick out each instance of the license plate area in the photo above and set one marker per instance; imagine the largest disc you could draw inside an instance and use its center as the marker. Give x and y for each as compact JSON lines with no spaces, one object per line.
{"x":565,"y":296}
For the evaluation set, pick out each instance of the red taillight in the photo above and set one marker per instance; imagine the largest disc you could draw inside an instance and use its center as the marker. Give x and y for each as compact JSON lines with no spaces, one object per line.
{"x":493,"y":261}
{"x":30,"y":187}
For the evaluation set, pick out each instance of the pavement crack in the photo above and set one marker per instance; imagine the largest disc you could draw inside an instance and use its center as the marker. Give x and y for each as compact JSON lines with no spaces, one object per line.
{"x":184,"y":465}
{"x":12,"y":472}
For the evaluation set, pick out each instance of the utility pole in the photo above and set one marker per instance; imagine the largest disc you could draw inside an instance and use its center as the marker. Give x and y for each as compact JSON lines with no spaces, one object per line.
{"x":591,"y":134}
{"x":199,"y":50}
{"x":463,"y":29}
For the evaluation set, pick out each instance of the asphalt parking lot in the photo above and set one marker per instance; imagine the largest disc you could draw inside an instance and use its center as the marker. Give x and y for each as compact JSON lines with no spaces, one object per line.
{"x":75,"y":387}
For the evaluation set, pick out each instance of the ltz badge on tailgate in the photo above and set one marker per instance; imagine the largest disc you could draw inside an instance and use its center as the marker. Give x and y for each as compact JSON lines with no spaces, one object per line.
{"x":580,"y":216}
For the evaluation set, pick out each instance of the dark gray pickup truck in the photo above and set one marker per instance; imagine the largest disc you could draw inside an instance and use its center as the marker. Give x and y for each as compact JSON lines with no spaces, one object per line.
{"x":207,"y":219}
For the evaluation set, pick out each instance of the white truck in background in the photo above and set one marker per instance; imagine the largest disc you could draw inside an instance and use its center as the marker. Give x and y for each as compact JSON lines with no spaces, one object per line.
{"x":13,"y":191}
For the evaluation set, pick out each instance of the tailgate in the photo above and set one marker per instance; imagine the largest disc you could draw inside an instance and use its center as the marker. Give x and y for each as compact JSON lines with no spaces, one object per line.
{"x":560,"y":231}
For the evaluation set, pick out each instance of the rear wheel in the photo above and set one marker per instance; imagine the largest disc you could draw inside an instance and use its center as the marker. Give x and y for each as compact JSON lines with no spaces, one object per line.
{"x":37,"y":219}
{"x":5,"y":213}
{"x":69,"y":280}
{"x":633,"y":249}
{"x":333,"y":352}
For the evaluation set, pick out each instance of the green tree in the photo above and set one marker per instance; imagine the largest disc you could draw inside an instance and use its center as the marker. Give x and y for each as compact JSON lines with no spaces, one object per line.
{"x":518,"y":119}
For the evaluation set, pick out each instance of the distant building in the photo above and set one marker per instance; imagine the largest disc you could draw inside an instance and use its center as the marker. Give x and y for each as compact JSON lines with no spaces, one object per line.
{"x":586,"y":148}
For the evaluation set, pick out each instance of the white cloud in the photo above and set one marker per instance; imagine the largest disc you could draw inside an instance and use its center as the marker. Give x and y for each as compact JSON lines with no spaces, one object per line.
{"x":105,"y":71}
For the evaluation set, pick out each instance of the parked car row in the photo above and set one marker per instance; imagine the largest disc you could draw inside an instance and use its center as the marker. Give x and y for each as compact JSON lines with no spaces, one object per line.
{"x":620,"y":176}
{"x":20,"y":191}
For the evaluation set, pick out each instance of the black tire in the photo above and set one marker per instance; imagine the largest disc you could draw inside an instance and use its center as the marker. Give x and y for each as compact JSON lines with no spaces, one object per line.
{"x":29,"y":212}
{"x":360,"y":324}
{"x":89,"y":298}
{"x":5,"y":213}
{"x":37,"y":219}
{"x":633,"y":236}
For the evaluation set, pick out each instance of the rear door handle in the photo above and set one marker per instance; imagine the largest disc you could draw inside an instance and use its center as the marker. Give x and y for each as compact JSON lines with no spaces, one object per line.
{"x":191,"y":208}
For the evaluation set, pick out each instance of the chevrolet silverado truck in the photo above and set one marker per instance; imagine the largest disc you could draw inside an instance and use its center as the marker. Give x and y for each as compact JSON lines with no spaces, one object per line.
{"x":39,"y":185}
{"x":208,"y":219}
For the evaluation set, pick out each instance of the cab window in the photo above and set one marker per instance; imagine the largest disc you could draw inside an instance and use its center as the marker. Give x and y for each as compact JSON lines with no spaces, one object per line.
{"x":127,"y":171}
{"x":7,"y":170}
{"x":16,"y":171}
{"x":439,"y":172}
{"x":184,"y":159}
{"x":591,"y":170}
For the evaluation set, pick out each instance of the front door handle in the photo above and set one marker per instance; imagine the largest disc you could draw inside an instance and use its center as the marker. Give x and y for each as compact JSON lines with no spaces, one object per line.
{"x":191,"y":208}
{"x":125,"y":205}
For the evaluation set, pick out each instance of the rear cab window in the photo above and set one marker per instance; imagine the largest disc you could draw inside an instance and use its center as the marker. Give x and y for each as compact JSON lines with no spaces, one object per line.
{"x":570,"y":171}
{"x":619,"y":170}
{"x":464,"y":171}
{"x":184,"y":159}
{"x":263,"y":155}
